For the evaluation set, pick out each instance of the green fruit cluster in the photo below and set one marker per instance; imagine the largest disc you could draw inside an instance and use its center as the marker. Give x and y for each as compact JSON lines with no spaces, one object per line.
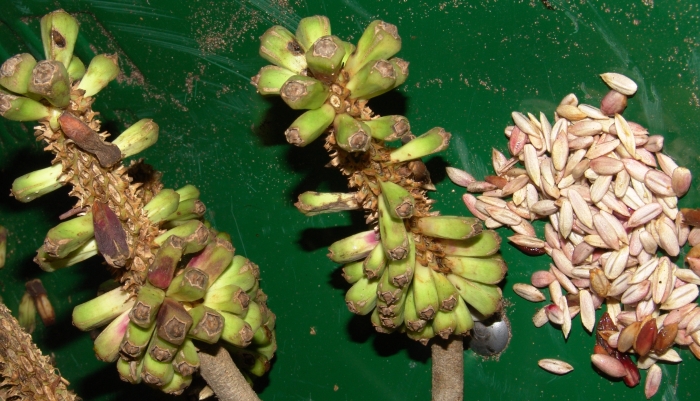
{"x":177,"y":280}
{"x":413,"y":271}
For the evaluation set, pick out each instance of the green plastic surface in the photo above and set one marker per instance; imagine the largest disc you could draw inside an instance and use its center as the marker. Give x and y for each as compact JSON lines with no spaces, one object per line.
{"x":187,"y":66}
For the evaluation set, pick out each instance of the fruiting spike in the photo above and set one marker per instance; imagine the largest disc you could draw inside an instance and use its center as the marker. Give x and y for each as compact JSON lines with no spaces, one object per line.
{"x":325,"y":58}
{"x":188,"y":286}
{"x":137,"y":138}
{"x":173,"y":322}
{"x":304,"y":93}
{"x":449,"y":227}
{"x":147,"y":304}
{"x":361,"y":298}
{"x":374,"y":264}
{"x":109,"y":234}
{"x":446,"y":292}
{"x":353,"y":271}
{"x":392,"y":231}
{"x":310,"y":29}
{"x":27,"y":313}
{"x":215,"y":257}
{"x":380,"y":40}
{"x":193,"y":233}
{"x":188,"y":192}
{"x":156,"y":373}
{"x":102,"y":70}
{"x":37,"y":183}
{"x":100,"y":310}
{"x":400,"y":202}
{"x":351,"y":134}
{"x":312,"y":203}
{"x":270,"y":79}
{"x":373,"y":79}
{"x":76,"y":69}
{"x":107,"y":344}
{"x":59,"y":30}
{"x":280,"y":47}
{"x":177,"y":384}
{"x":425,"y":296}
{"x":161,"y":270}
{"x":229,"y":298}
{"x":162,"y":205}
{"x":241,"y":272}
{"x":486,"y":243}
{"x":20,"y":108}
{"x":354,"y":247}
{"x":401,"y":271}
{"x":389,"y":128}
{"x":49,"y":264}
{"x":207,"y":324}
{"x":307,"y":127}
{"x":16,"y":72}
{"x":161,"y":350}
{"x":485,"y":298}
{"x":186,"y":360}
{"x":50,"y":80}
{"x":488,"y":270}
{"x":433,"y":141}
{"x":236,"y":331}
{"x":129,"y":371}
{"x":69,"y":236}
{"x":136,"y":340}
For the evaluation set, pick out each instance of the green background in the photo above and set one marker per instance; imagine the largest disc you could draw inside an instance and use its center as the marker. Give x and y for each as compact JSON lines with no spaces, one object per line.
{"x":187,"y":66}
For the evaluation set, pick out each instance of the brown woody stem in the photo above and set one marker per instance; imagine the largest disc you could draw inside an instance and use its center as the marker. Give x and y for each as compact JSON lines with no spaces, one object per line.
{"x":448,"y":369}
{"x":222,"y":375}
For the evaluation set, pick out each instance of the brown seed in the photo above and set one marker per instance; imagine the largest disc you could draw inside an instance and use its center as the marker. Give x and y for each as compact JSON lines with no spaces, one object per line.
{"x":626,"y":339}
{"x":665,"y":337}
{"x":646,"y":336}
{"x":555,"y":366}
{"x":608,"y":365}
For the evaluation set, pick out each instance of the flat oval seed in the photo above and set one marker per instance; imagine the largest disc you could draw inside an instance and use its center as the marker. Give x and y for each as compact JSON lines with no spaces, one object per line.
{"x":555,"y":366}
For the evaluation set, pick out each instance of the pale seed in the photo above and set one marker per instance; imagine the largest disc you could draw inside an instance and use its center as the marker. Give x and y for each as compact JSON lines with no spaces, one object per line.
{"x":644,"y":214}
{"x":680,"y":181}
{"x":659,"y":183}
{"x":681,"y":296}
{"x":555,"y":366}
{"x":620,"y":83}
{"x":592,"y":112}
{"x":528,"y":292}
{"x":540,"y":317}
{"x":459,"y":177}
{"x":653,"y":381}
{"x":666,"y":164}
{"x":602,"y":149}
{"x":542,"y":278}
{"x":587,"y":310}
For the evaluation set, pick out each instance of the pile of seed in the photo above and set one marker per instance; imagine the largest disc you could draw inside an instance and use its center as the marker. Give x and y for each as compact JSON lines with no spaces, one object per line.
{"x":611,"y":197}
